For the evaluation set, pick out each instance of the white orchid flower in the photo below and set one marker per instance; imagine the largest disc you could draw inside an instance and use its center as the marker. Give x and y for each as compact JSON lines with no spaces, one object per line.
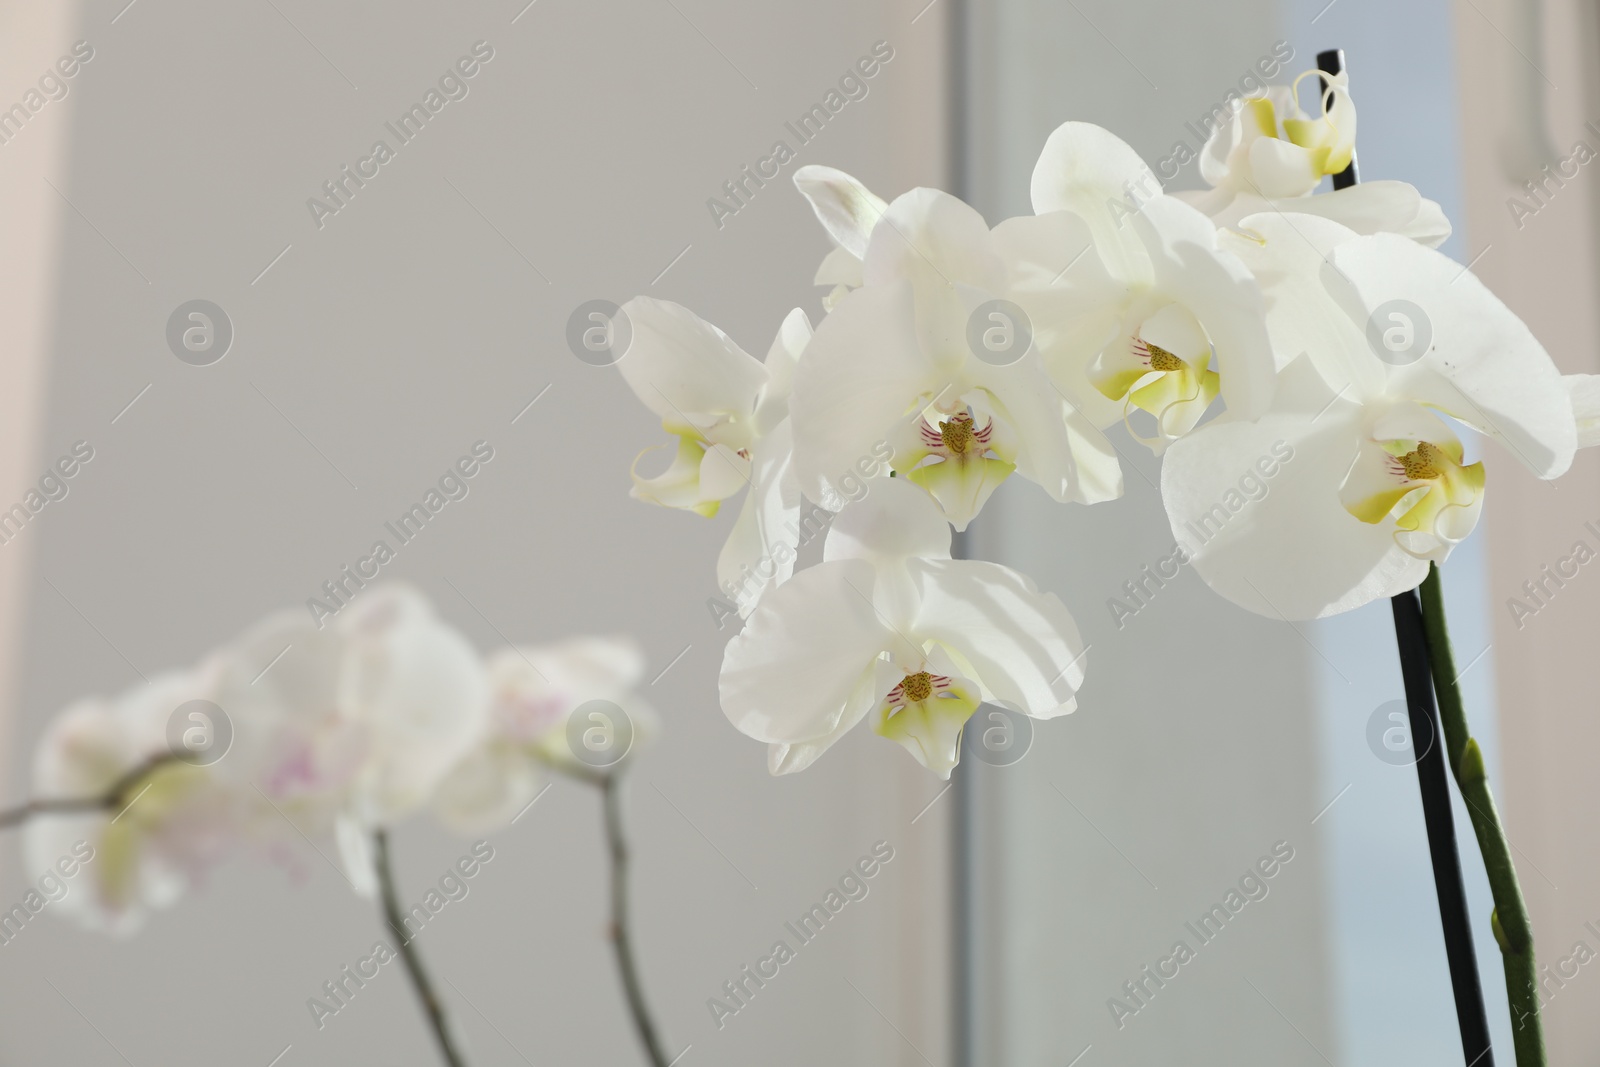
{"x":1346,"y":489}
{"x":889,"y":627}
{"x":1271,"y":155}
{"x":895,"y":363}
{"x":157,"y":841}
{"x":730,"y":414}
{"x":1139,"y":321}
{"x":356,"y":724}
{"x":848,"y":211}
{"x":535,"y":691}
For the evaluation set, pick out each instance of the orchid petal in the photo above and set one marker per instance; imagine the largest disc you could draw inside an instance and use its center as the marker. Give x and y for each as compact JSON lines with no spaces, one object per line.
{"x":1281,"y":169}
{"x":679,"y":485}
{"x":1483,"y":365}
{"x":1094,"y":174}
{"x":689,"y":372}
{"x":862,"y":372}
{"x":577,"y":668}
{"x":792,"y":758}
{"x":1072,"y":303}
{"x":892,"y":523}
{"x":1178,"y":400}
{"x":418,"y":687}
{"x":935,"y":239}
{"x":789,"y":675}
{"x":839,"y":267}
{"x":787,"y":347}
{"x":357,"y":857}
{"x":847,"y":209}
{"x":765,"y":535}
{"x":961,"y":486}
{"x":723,"y":472}
{"x":944,"y":247}
{"x":1020,"y":645}
{"x":1584,"y":392}
{"x":1370,"y":207}
{"x":1378,"y":207}
{"x":486,"y":789}
{"x":1218,"y":289}
{"x":1289,"y":255}
{"x":1057,"y":447}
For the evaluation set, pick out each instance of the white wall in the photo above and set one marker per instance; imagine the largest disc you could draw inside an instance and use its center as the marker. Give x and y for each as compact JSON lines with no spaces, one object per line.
{"x":1528,"y":96}
{"x":371,"y":355}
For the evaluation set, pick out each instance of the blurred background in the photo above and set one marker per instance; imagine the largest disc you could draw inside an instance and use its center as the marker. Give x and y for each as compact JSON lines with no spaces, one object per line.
{"x":373,"y":346}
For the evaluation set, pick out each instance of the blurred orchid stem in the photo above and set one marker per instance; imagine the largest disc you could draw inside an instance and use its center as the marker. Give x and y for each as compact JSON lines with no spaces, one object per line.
{"x":610,"y":786}
{"x":1512,"y":927}
{"x":123,"y":792}
{"x":413,"y":959}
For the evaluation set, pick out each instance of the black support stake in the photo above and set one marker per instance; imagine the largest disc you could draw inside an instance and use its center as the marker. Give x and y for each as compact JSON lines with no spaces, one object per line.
{"x":1432,"y":777}
{"x":1433,"y":781}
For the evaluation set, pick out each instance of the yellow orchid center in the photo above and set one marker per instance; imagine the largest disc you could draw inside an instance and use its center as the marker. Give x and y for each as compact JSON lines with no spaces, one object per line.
{"x":1423,"y":463}
{"x":1154,"y":379}
{"x":917,"y":687}
{"x":1162,"y":360}
{"x":957,"y":434}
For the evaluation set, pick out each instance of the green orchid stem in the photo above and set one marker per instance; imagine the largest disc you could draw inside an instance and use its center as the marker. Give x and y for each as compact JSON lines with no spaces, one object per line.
{"x":610,"y":786}
{"x":413,"y":959}
{"x":1512,"y":928}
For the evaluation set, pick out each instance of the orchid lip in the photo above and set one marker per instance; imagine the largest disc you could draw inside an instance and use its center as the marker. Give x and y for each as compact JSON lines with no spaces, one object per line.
{"x":1423,"y":489}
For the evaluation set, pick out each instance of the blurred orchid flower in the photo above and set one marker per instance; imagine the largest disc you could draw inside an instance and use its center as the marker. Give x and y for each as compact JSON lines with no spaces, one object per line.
{"x":534,"y":693}
{"x":1269,"y":155}
{"x":730,"y":414}
{"x":889,"y":627}
{"x":158,"y":839}
{"x":350,"y":730}
{"x":1139,"y":320}
{"x":896,"y":361}
{"x":1394,"y":335}
{"x":356,"y":725}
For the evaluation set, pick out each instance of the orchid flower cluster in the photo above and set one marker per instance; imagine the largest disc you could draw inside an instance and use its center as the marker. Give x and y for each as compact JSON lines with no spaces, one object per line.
{"x":328,"y":734}
{"x":1256,"y":328}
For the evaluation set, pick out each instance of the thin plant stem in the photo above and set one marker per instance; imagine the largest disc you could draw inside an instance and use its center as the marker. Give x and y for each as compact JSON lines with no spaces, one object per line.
{"x":112,"y":799}
{"x":431,"y":1004}
{"x":610,"y":786}
{"x":1512,"y":927}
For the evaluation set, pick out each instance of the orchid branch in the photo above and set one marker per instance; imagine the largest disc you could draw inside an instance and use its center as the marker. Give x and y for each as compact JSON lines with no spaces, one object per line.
{"x":413,"y":959}
{"x":1512,"y":927}
{"x":610,"y":786}
{"x":110,"y":800}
